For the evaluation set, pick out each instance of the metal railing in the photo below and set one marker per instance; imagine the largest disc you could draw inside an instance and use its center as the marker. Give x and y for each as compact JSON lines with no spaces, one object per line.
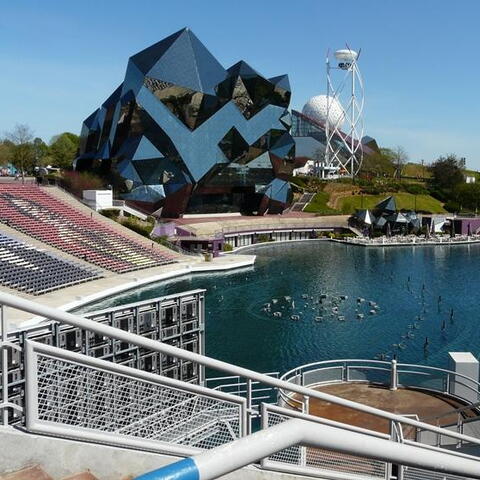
{"x":256,"y":393}
{"x":51,"y":372}
{"x":77,"y":396}
{"x":301,"y":444}
{"x":300,"y":459}
{"x":179,"y":249}
{"x":409,"y":240}
{"x":281,"y":226}
{"x":391,"y":374}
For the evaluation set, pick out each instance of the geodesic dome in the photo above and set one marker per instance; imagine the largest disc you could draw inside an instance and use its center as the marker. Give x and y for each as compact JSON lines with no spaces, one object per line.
{"x":317,"y":107}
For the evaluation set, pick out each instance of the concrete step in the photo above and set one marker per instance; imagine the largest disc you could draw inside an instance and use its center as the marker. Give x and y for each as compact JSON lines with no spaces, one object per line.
{"x":87,"y":475}
{"x":33,"y":472}
{"x":36,"y":472}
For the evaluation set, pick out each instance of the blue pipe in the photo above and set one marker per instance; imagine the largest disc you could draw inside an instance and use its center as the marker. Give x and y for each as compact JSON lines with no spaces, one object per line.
{"x":185,"y":469}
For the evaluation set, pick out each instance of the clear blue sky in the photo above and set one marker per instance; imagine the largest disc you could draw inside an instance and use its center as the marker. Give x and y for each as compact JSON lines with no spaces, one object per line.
{"x":61,"y":59}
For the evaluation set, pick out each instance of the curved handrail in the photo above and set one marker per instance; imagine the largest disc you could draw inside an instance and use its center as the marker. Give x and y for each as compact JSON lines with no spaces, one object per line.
{"x":229,"y":457}
{"x":156,"y":346}
{"x":340,"y":360}
{"x":296,"y":373}
{"x":472,"y":406}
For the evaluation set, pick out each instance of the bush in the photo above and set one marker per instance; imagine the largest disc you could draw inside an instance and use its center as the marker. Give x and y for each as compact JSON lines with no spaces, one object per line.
{"x":137,"y":226}
{"x":262,"y":238}
{"x":452,"y":206}
{"x":110,"y":213}
{"x":342,"y":235}
{"x":299,"y":180}
{"x":372,"y":190}
{"x":77,"y":182}
{"x":227,"y":247}
{"x":162,"y":240}
{"x":415,"y":189}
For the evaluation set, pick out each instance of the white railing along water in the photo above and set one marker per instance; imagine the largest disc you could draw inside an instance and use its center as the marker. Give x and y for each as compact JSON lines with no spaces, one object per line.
{"x":57,"y":382}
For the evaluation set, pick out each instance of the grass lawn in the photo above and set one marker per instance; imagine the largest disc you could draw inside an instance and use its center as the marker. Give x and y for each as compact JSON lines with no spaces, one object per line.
{"x":319,"y":204}
{"x":406,"y":201}
{"x":416,"y":170}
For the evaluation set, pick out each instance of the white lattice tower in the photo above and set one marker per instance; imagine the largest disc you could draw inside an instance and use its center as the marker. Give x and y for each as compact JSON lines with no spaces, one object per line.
{"x":344,"y":150}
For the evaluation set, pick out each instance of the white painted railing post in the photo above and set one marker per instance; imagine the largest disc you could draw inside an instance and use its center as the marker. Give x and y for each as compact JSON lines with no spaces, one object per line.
{"x":31,"y":386}
{"x":393,"y":375}
{"x":396,"y":435}
{"x":249,"y":406}
{"x":305,"y":405}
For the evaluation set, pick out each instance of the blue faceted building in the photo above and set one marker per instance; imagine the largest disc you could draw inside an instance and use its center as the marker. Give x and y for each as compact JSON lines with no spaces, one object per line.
{"x":182,"y":134}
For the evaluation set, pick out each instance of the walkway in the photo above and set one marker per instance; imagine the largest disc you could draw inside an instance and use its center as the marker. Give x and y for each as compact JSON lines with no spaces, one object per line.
{"x":411,"y":240}
{"x":211,"y":226}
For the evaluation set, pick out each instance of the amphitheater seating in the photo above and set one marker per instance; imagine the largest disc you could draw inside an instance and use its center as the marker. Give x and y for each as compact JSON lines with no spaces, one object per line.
{"x":35,"y":212}
{"x":31,"y":270}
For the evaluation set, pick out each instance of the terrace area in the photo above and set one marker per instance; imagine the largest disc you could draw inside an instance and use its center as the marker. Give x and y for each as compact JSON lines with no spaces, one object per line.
{"x":436,"y":396}
{"x":403,"y":401}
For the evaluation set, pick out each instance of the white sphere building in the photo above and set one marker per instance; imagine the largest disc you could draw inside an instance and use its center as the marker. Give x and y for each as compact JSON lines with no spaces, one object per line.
{"x":318,"y":107}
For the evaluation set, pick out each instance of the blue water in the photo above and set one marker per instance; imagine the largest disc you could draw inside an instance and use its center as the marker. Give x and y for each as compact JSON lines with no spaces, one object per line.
{"x":405,"y":282}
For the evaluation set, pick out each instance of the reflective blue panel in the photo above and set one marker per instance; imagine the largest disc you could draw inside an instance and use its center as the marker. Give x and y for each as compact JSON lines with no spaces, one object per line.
{"x":278,"y":190}
{"x":104,"y":151}
{"x":180,"y":65}
{"x":146,"y":193}
{"x":308,"y":147}
{"x":147,"y":58}
{"x":184,"y":134}
{"x":133,"y":79}
{"x":127,"y":171}
{"x":145,"y":150}
{"x":243,"y":69}
{"x":281,"y":81}
{"x":283,"y":145}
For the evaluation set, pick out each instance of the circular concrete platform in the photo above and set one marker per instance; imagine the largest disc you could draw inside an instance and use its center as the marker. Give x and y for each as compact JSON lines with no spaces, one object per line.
{"x":401,"y":401}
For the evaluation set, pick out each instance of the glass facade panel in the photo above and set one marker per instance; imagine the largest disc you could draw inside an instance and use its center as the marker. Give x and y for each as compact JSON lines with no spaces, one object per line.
{"x":183,"y":134}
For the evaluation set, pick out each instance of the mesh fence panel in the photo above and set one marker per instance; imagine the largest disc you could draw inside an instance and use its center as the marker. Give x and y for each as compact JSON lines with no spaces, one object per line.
{"x":325,"y":460}
{"x":417,"y":474}
{"x":82,"y":396}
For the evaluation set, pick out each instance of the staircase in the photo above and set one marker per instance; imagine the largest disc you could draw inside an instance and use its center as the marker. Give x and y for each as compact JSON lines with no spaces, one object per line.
{"x":36,"y":472}
{"x":304,"y":200}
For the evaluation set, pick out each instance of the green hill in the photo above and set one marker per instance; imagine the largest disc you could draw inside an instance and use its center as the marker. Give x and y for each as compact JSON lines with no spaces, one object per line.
{"x":319,"y":205}
{"x":405,"y":201}
{"x":416,"y":170}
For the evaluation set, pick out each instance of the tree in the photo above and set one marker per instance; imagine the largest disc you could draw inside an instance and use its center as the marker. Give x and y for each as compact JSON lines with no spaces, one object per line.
{"x":63,"y":149}
{"x":446,"y":173}
{"x":6,"y":152}
{"x":467,"y":196}
{"x":399,"y":158}
{"x":23,"y":155}
{"x":379,"y":163}
{"x":41,"y":152}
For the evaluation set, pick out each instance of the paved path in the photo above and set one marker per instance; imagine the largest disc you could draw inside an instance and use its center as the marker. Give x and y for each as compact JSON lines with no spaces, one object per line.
{"x":243,"y":224}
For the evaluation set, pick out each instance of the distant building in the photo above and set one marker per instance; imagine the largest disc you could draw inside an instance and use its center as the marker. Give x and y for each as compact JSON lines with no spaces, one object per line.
{"x":470,"y":179}
{"x":181,"y":134}
{"x":7,"y":170}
